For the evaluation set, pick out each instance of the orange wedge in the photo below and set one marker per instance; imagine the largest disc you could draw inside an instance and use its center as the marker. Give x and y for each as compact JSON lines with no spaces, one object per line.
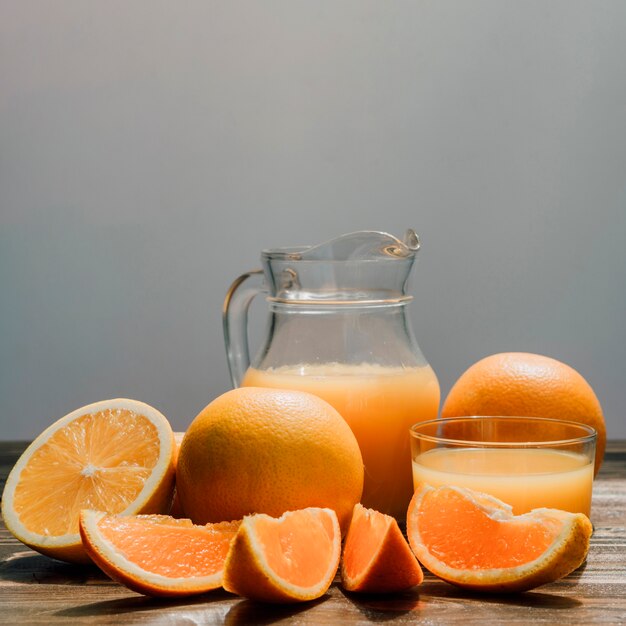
{"x":474,"y":541}
{"x":157,"y":555}
{"x":291,"y":558}
{"x":115,"y":456}
{"x":376,"y":556}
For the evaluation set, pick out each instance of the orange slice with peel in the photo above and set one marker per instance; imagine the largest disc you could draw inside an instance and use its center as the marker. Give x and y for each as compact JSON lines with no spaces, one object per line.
{"x":474,"y":541}
{"x":116,"y":456}
{"x":157,"y":555}
{"x":286,"y":559}
{"x":376,"y":556}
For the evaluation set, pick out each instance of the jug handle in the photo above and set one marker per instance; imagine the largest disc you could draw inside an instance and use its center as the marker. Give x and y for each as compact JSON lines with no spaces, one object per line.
{"x":235,"y":322}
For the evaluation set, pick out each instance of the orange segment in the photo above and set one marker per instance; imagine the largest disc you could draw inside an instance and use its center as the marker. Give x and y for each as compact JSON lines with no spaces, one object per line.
{"x":115,"y":456}
{"x":473,"y":540}
{"x":376,"y":556}
{"x":496,"y":545}
{"x":296,"y":560}
{"x":366,"y":533}
{"x":286,"y":559}
{"x":157,"y":555}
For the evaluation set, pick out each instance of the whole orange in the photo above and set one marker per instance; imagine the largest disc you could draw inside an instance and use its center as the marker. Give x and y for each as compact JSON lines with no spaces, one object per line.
{"x":258,"y":450}
{"x":529,"y":385}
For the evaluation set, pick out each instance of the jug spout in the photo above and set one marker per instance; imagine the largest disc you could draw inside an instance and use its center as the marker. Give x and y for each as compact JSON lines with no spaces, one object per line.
{"x":362,"y":245}
{"x":411,"y":240}
{"x":368,"y":266}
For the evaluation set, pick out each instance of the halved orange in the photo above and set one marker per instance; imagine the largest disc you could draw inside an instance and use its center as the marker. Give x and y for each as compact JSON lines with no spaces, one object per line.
{"x":115,"y":456}
{"x":474,"y":541}
{"x":157,"y":555}
{"x":286,"y":559}
{"x":376,"y":556}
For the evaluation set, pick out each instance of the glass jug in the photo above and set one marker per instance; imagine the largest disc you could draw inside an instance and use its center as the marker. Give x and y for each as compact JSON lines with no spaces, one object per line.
{"x":339,"y":328}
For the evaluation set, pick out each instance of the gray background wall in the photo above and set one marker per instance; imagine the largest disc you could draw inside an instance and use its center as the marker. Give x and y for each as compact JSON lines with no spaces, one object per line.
{"x":149,"y":150}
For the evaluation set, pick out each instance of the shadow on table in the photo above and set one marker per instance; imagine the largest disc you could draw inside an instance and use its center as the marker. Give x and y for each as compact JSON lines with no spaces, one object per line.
{"x":251,"y":612}
{"x":385,"y":606}
{"x":537,"y":599}
{"x":28,"y":567}
{"x":216,"y":606}
{"x":209,"y":606}
{"x":431,"y":594}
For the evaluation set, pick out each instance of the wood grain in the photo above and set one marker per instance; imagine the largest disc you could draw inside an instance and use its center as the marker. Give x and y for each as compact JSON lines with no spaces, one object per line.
{"x":38,"y":590}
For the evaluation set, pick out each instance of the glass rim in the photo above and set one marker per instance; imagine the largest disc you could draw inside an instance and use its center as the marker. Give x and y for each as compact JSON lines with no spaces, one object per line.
{"x":591,"y":435}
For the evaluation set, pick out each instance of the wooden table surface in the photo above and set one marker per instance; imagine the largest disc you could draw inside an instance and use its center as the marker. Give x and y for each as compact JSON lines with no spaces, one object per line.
{"x":38,"y":590}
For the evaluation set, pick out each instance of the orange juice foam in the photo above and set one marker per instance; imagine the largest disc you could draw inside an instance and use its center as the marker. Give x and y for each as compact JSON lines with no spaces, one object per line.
{"x":380,"y":404}
{"x":524,"y":478}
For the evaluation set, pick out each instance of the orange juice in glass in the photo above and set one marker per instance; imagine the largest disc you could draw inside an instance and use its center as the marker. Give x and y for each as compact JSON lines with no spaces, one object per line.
{"x":528,"y":463}
{"x":339,"y":327}
{"x":379,"y":403}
